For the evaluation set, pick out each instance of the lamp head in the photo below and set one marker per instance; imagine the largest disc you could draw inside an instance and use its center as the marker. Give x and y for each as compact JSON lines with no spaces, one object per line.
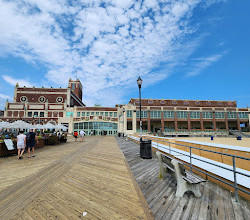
{"x":139,"y":82}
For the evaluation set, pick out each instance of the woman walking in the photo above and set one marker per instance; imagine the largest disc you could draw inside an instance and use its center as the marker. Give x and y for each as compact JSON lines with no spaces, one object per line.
{"x":21,"y":143}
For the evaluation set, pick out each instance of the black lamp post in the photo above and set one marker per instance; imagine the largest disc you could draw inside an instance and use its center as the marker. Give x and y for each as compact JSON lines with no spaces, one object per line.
{"x":139,"y":83}
{"x":145,"y":146}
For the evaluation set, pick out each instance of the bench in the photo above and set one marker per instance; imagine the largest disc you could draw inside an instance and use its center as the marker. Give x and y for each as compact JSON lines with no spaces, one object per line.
{"x":186,"y":180}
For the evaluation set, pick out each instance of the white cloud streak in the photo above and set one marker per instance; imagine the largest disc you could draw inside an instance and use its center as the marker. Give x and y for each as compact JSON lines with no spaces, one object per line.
{"x":109,"y":42}
{"x":3,"y":96}
{"x":13,"y":81}
{"x":203,"y":63}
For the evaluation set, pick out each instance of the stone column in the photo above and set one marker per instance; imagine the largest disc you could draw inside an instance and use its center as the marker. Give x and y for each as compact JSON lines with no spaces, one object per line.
{"x":149,"y":128}
{"x":226,"y":122}
{"x":162,"y":122}
{"x":238,"y":122}
{"x":201,"y":121}
{"x":175,"y":121}
{"x":125,"y":122}
{"x":189,"y":122}
{"x":214,"y":122}
{"x":134,"y":121}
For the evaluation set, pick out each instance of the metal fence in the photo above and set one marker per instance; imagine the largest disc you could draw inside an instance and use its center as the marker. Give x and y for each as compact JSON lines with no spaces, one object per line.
{"x":235,"y":185}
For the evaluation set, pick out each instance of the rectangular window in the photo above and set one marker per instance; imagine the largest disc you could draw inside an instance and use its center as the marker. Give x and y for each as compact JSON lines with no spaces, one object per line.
{"x":41,"y":114}
{"x":92,"y":113}
{"x":35,"y":114}
{"x":243,"y":115}
{"x":29,"y":114}
{"x":78,"y":114}
{"x":231,"y":115}
{"x":111,"y":114}
{"x":129,"y":114}
{"x":102,"y":113}
{"x":181,"y":114}
{"x":168,"y":114}
{"x":80,"y":125}
{"x":83,"y":114}
{"x":76,"y":126}
{"x":69,"y":114}
{"x":155,"y":114}
{"x":86,"y":125}
{"x":219,"y":115}
{"x":106,"y":114}
{"x":87,"y":113}
{"x":207,"y":115}
{"x":90,"y":125}
{"x":194,"y":115}
{"x":97,"y":113}
{"x":73,"y":86}
{"x":115,"y":114}
{"x":144,"y":114}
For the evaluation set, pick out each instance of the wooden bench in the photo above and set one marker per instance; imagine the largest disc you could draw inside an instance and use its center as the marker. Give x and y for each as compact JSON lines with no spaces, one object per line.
{"x":186,"y":180}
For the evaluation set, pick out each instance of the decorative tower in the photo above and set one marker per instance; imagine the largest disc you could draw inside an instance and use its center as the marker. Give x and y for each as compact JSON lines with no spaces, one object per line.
{"x":76,"y":87}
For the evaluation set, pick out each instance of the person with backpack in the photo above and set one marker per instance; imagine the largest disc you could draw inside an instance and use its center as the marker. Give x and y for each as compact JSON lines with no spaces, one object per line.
{"x":30,"y":142}
{"x":75,"y":135}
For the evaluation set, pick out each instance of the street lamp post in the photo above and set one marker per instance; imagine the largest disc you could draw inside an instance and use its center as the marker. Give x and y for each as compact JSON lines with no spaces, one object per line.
{"x":145,"y":146}
{"x":139,"y":83}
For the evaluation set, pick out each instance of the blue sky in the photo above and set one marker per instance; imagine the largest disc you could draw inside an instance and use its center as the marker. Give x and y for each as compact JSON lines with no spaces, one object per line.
{"x":188,"y":49}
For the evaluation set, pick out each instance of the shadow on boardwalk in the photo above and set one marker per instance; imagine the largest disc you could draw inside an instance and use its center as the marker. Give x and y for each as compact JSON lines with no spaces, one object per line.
{"x":215,"y":203}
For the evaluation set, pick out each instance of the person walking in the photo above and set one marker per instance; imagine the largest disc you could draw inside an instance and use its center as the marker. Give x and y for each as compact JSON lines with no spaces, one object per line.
{"x":75,"y":135}
{"x":31,"y":139}
{"x":21,"y":143}
{"x":82,"y":133}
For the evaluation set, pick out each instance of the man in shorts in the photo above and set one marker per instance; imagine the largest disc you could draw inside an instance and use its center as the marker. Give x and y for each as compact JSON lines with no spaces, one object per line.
{"x":21,"y":143}
{"x":31,"y":139}
{"x":75,"y":135}
{"x":82,"y":133}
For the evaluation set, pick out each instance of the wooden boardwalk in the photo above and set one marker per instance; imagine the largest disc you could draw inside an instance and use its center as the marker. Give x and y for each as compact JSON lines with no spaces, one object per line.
{"x":65,"y":181}
{"x":215,"y":203}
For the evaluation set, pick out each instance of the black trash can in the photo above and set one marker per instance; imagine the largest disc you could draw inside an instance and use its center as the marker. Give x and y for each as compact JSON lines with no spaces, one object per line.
{"x":119,"y":134}
{"x":146,"y":149}
{"x":212,"y":138}
{"x":238,"y":138}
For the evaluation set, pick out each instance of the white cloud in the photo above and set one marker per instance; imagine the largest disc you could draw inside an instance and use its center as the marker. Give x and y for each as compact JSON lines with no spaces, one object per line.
{"x":109,"y":46}
{"x":2,"y":96}
{"x":203,"y":63}
{"x":13,"y":81}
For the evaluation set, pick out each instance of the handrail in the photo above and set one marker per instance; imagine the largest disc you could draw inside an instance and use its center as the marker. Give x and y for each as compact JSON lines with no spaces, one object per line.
{"x":234,"y":171}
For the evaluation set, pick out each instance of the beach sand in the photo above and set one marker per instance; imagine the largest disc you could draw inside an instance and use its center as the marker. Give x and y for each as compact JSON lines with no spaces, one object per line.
{"x":245,"y":142}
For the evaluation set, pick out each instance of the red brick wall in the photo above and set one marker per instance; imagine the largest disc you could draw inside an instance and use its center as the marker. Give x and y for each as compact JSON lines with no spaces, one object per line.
{"x":188,"y":103}
{"x":33,"y":98}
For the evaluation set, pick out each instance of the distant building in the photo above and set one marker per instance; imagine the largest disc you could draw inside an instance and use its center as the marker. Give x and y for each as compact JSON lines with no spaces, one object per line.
{"x":65,"y":106}
{"x":185,"y":116}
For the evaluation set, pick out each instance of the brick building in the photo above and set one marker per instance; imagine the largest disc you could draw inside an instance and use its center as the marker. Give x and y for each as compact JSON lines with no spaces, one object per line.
{"x":185,"y":116}
{"x":65,"y":106}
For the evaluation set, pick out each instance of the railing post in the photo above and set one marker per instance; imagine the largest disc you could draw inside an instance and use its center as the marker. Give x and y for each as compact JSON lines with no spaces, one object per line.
{"x":190,"y":158}
{"x":235,"y":180}
{"x":169,"y":149}
{"x":157,"y":145}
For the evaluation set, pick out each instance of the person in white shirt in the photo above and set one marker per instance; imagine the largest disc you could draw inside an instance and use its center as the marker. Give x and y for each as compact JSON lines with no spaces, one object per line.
{"x":21,"y":144}
{"x":82,"y":133}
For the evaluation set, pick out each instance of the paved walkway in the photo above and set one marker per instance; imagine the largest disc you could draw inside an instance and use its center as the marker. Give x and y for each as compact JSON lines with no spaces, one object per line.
{"x":67,"y":180}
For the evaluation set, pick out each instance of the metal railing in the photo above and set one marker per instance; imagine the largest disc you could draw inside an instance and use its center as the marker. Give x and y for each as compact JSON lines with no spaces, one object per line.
{"x":190,"y":164}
